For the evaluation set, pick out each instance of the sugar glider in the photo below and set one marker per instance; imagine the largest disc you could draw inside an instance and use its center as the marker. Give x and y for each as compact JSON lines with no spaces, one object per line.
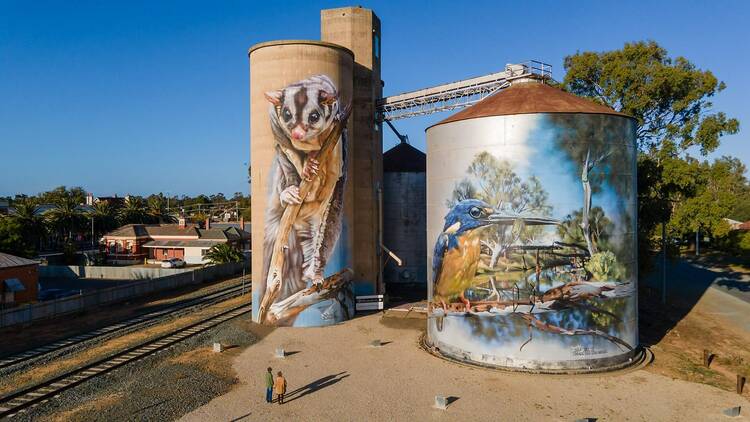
{"x":302,"y":115}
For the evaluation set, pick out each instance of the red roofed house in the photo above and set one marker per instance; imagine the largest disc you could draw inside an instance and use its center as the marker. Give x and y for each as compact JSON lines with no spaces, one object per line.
{"x":18,"y":279}
{"x":136,"y":242}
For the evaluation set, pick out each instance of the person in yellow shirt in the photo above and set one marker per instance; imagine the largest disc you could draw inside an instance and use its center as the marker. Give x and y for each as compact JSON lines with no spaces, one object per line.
{"x":279,"y":387}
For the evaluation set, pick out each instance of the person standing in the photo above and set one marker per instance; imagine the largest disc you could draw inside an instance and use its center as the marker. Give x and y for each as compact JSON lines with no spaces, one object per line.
{"x":269,"y":385}
{"x":279,"y":387}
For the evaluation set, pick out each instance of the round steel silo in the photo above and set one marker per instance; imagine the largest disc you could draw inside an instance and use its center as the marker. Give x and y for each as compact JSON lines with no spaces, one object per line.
{"x":300,"y":98}
{"x":404,"y":221}
{"x":531,"y":233}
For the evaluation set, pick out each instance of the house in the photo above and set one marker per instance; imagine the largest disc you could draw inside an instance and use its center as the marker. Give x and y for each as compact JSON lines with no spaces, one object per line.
{"x":138,"y":242}
{"x":19,"y":279}
{"x":737,"y":225}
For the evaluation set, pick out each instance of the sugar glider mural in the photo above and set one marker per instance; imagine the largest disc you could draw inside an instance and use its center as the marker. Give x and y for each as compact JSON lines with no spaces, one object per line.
{"x":303,"y":218}
{"x":533,"y":261}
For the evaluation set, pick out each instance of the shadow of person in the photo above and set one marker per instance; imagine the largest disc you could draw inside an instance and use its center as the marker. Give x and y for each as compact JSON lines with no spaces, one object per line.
{"x":314,"y":386}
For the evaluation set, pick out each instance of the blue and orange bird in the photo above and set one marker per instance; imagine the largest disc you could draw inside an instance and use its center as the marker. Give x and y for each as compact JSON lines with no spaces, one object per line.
{"x":456,"y":257}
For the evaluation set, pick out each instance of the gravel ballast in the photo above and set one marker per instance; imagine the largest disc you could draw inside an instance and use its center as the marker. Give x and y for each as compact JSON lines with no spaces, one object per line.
{"x":163,"y":386}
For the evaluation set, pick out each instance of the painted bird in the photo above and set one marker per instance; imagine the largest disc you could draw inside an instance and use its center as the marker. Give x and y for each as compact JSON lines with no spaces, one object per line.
{"x":454,"y":263}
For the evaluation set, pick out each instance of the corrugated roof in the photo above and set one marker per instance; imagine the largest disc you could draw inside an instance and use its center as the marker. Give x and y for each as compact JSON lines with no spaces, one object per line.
{"x":165,"y":230}
{"x":404,"y":158}
{"x":181,"y":243}
{"x":10,"y":261}
{"x":171,"y":230}
{"x":527,"y":98}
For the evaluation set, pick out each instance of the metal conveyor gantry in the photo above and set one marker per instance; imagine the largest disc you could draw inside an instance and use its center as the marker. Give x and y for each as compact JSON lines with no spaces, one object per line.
{"x":458,"y":94}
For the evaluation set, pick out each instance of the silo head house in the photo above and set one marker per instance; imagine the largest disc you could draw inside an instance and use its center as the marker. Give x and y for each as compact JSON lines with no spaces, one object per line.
{"x":531,"y":233}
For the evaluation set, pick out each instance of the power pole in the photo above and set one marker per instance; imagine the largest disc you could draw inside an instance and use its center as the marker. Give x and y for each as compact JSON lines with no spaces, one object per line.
{"x":664,"y":263}
{"x":697,"y":242}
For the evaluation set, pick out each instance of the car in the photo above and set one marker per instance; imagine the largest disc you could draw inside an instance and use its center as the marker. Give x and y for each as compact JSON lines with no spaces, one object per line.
{"x":173,"y":263}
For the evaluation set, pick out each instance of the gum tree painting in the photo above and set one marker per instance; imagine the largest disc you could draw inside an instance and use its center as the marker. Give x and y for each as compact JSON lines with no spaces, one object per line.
{"x":494,"y":181}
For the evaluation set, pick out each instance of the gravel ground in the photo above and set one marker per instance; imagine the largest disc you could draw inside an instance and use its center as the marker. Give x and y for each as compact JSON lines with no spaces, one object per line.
{"x":161,"y":387}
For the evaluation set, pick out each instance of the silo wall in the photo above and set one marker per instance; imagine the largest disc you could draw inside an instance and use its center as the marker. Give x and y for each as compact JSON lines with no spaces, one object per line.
{"x":301,"y":200}
{"x":531,"y":231}
{"x":404,"y":228}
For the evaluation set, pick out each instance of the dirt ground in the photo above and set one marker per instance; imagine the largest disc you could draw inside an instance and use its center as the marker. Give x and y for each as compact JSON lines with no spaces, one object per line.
{"x":679,"y":345}
{"x":334,"y":374}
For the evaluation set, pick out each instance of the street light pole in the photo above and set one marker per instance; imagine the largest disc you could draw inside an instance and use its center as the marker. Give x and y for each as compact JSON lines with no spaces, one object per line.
{"x":697,"y":242}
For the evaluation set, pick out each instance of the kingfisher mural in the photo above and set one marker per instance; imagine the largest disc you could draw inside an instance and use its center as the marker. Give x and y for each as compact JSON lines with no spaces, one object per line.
{"x":303,"y":220}
{"x":535,"y":261}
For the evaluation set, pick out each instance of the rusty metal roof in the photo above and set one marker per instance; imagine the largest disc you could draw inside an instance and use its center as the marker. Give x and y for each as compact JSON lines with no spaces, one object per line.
{"x":10,"y":261}
{"x":527,"y":98}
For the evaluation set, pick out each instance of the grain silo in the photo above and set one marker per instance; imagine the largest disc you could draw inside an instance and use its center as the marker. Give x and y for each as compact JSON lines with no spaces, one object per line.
{"x":300,"y":97}
{"x":531,"y":233}
{"x":404,"y":221}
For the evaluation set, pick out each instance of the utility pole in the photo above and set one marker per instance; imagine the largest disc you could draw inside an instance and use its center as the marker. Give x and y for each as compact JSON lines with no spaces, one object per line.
{"x":92,"y":232}
{"x":697,"y":242}
{"x":664,"y":263}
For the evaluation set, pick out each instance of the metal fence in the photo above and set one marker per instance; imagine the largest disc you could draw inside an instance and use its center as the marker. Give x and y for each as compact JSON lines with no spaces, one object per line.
{"x":72,"y":304}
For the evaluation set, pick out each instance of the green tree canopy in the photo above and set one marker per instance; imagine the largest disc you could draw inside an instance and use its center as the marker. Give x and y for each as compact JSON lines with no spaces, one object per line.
{"x":669,"y":97}
{"x":224,"y":253}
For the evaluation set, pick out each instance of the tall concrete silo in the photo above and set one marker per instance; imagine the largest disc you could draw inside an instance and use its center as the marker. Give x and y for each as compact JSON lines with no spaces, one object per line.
{"x":531,"y":233}
{"x":404,"y":220}
{"x":302,"y":203}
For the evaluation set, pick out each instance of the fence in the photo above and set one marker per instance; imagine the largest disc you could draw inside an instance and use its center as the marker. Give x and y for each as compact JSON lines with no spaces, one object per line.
{"x":68,"y":305}
{"x":109,"y":273}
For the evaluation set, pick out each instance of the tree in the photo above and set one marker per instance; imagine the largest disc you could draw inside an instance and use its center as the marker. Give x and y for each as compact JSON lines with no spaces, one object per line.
{"x":495,"y":182}
{"x":157,"y":210}
{"x":32,"y":225}
{"x":571,"y":229}
{"x":133,"y":212}
{"x":716,"y":191}
{"x":224,"y":253}
{"x":670,"y":100}
{"x":12,"y":239}
{"x":65,"y":217}
{"x":104,"y":214}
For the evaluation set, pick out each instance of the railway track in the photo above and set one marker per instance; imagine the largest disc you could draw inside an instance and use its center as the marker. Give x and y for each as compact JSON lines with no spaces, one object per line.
{"x":14,"y":362}
{"x":21,"y":400}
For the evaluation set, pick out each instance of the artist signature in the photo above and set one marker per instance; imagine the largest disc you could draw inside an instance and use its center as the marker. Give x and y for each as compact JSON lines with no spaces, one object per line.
{"x":586,"y":351}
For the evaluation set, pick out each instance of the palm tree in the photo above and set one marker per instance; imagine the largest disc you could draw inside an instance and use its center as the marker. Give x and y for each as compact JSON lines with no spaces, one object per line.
{"x":104,"y":215}
{"x":224,"y":253}
{"x":133,"y":212}
{"x":29,"y":227}
{"x":66,"y":216}
{"x":157,"y":210}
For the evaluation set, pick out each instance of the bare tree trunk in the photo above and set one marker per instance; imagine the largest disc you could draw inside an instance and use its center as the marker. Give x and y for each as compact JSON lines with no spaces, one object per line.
{"x":496,"y":252}
{"x":585,"y":226}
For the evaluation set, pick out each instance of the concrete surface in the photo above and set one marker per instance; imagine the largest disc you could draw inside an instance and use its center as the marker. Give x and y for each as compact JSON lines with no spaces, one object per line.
{"x":334,"y":374}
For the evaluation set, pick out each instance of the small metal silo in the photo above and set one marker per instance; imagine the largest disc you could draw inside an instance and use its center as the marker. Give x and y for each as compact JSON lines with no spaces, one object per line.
{"x":404,"y":220}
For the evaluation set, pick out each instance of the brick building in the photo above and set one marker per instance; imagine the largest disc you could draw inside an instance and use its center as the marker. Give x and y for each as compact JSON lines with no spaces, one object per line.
{"x":136,"y":242}
{"x":18,"y":279}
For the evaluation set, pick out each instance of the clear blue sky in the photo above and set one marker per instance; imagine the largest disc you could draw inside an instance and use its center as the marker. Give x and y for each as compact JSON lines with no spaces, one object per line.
{"x":147,"y":96}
